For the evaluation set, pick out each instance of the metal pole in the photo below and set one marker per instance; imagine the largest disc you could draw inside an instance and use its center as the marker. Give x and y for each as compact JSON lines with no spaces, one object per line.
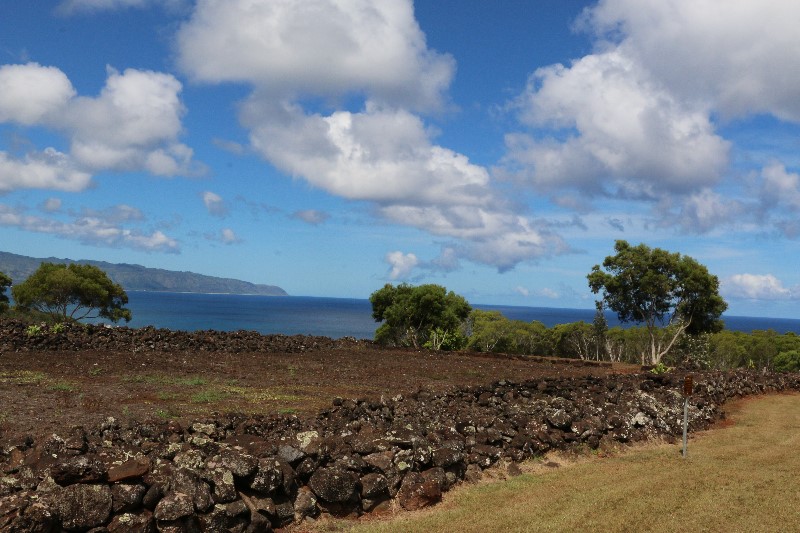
{"x":685,"y":423}
{"x":688,"y":386}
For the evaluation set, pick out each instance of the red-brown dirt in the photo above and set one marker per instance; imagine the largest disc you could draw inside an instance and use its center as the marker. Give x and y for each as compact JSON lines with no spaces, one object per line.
{"x":42,"y":392}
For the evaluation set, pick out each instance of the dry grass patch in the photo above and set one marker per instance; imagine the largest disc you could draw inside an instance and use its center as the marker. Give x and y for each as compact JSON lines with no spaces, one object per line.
{"x":742,"y":477}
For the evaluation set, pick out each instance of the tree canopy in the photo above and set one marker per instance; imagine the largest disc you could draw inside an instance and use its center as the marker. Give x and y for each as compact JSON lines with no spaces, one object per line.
{"x":72,"y":292}
{"x":413,"y":316}
{"x":661,"y":290}
{"x":5,"y":282}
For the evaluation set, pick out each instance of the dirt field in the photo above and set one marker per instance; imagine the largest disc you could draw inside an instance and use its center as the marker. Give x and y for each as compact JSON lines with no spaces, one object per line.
{"x":42,"y":392}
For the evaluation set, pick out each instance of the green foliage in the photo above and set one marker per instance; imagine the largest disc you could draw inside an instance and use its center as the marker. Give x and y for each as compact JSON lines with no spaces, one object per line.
{"x":787,"y":361}
{"x":5,"y":282}
{"x":446,"y":340}
{"x":660,"y":368}
{"x":670,"y":294}
{"x":411,"y":315}
{"x":57,"y":328}
{"x":490,"y":331}
{"x":34,"y":330}
{"x":72,"y":292}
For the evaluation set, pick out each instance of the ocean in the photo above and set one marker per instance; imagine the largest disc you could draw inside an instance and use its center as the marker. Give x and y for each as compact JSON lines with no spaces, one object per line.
{"x":337,"y":317}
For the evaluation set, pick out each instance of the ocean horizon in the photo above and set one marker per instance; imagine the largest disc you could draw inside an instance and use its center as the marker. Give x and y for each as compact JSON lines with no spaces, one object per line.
{"x":339,"y":317}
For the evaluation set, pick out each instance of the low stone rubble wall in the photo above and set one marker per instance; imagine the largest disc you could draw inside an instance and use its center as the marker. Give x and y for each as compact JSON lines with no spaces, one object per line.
{"x":16,"y":336}
{"x":244,"y":473}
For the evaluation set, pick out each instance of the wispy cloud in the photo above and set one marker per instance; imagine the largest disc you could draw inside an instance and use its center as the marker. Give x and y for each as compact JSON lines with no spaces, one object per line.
{"x":311,"y":216}
{"x":214,"y":203}
{"x":98,"y":229}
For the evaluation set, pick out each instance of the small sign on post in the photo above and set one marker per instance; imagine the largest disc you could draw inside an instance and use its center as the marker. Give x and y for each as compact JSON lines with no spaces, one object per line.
{"x":688,"y":385}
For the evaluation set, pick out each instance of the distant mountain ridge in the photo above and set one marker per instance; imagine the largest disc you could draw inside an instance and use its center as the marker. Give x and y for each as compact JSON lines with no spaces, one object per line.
{"x":141,"y":278}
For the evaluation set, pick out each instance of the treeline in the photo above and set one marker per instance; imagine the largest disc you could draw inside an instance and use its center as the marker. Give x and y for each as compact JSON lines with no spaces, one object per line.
{"x":490,"y":331}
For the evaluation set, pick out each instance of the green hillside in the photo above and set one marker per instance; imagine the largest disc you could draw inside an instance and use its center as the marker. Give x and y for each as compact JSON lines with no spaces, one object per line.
{"x":140,"y":278}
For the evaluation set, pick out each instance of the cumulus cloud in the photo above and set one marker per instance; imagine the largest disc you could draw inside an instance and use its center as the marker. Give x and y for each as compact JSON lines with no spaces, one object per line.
{"x":90,"y":228}
{"x":49,"y":169}
{"x":780,"y":187}
{"x":311,"y":216}
{"x":625,"y":135}
{"x":379,"y":155}
{"x":133,"y":124}
{"x":734,"y":58}
{"x":31,"y":94}
{"x":378,"y":148}
{"x":757,"y":287}
{"x":325,"y":47}
{"x":703,"y":211}
{"x":215,"y":204}
{"x":401,"y":265}
{"x":638,"y":117}
{"x":485,"y":236}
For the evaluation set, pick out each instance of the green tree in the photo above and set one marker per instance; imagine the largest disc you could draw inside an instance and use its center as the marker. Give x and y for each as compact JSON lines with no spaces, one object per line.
{"x":5,"y":282}
{"x":72,"y":292}
{"x":411,"y":314}
{"x":669,"y":293}
{"x":490,"y":331}
{"x":728,"y":349}
{"x":788,"y":361}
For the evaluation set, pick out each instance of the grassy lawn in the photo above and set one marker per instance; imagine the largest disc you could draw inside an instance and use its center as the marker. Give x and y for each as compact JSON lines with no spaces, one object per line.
{"x":743,"y":477}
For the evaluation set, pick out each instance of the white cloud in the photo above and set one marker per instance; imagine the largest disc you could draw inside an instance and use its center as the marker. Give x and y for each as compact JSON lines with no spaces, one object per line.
{"x":401,"y":265}
{"x":379,"y":155}
{"x":49,"y":169}
{"x":703,"y":211}
{"x":134,"y":124}
{"x":331,"y":51}
{"x":490,"y":237}
{"x":737,"y":58}
{"x":548,"y":293}
{"x":117,"y":214}
{"x":215,"y":204}
{"x":327,"y":48}
{"x":228,"y":236}
{"x":779,"y":187}
{"x":311,"y":216}
{"x":522,"y":290}
{"x":51,"y":205}
{"x":757,"y":287}
{"x":69,"y":7}
{"x":625,"y":135}
{"x":31,"y":93}
{"x":89,"y":228}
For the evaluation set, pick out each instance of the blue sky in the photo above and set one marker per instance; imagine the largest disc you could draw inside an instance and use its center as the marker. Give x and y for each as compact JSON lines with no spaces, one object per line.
{"x":331,"y":146}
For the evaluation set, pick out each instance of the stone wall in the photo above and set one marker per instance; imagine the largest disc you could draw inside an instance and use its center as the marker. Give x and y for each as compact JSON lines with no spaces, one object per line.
{"x":17,"y":336}
{"x":242,"y":473}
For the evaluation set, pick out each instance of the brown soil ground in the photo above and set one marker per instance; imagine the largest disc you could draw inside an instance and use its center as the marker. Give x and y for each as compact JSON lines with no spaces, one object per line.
{"x":43,"y":392}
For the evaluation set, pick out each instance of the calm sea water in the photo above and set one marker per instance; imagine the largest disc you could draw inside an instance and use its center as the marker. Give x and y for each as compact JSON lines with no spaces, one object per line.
{"x":335,"y":317}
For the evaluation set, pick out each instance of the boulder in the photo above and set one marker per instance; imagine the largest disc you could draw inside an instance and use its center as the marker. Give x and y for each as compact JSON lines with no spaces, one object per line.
{"x":83,"y":506}
{"x":333,"y":485}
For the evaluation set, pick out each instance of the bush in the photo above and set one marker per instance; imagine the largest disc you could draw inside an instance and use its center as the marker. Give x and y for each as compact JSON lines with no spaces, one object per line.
{"x":787,"y":361}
